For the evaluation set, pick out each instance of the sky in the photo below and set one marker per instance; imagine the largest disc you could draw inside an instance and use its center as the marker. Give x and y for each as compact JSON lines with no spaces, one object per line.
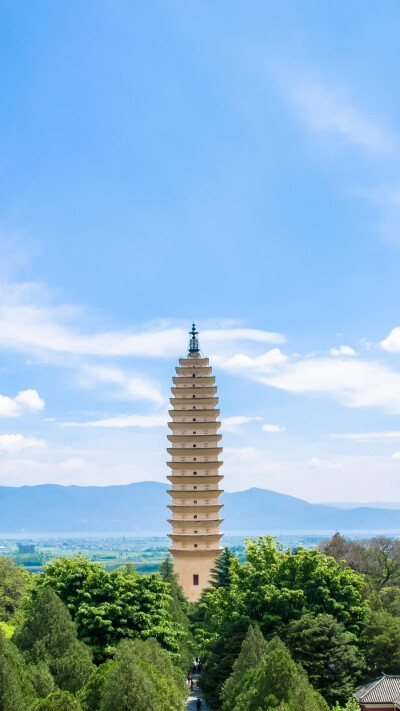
{"x":232,"y":163}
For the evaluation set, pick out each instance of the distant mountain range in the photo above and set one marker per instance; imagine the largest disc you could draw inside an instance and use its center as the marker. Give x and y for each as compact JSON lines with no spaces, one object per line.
{"x":140,"y":508}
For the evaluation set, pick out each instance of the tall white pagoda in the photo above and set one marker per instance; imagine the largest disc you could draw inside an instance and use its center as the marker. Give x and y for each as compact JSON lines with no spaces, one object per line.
{"x":195,"y":471}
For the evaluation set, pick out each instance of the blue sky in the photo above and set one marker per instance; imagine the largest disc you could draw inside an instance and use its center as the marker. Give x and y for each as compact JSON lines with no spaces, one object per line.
{"x":232,"y":163}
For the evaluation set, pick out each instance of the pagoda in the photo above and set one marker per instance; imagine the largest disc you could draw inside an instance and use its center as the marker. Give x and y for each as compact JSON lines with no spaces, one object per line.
{"x":195,"y":471}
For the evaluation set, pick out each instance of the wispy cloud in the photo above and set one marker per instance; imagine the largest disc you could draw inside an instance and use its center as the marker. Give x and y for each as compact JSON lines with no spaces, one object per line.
{"x":325,"y":463}
{"x":26,"y":400}
{"x":233,"y":424}
{"x":273,"y":428}
{"x":129,"y":387}
{"x":368,"y":436}
{"x":29,"y":325}
{"x":14,"y":443}
{"x":324,"y":110}
{"x":343,"y":351}
{"x":123,"y":421}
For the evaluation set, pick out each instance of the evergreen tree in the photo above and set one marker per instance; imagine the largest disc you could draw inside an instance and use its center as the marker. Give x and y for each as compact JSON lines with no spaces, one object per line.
{"x":380,"y":642}
{"x":328,"y":653}
{"x":276,"y":681}
{"x":221,"y":573}
{"x":16,"y":693}
{"x":48,"y":636}
{"x":92,"y":693}
{"x":219,"y":658}
{"x":134,"y":684}
{"x":253,"y":648}
{"x":41,"y":679}
{"x":58,"y":701}
{"x":179,"y":609}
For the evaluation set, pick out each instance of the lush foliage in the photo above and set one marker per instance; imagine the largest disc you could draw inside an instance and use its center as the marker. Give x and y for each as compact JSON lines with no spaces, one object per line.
{"x":273,"y":588}
{"x":48,"y":638}
{"x":14,"y":583}
{"x":328,"y":653}
{"x":276,"y":682}
{"x":143,"y":679}
{"x":108,"y":607}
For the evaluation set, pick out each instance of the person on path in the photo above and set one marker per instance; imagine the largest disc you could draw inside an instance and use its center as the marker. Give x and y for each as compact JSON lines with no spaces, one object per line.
{"x":191,"y":685}
{"x":199,"y":705}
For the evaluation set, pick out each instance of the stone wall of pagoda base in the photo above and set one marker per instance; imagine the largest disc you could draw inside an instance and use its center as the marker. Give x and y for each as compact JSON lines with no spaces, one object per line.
{"x":187,"y":565}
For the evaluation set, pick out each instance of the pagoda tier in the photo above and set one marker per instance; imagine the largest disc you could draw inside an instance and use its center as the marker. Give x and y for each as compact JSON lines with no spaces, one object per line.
{"x":195,"y":470}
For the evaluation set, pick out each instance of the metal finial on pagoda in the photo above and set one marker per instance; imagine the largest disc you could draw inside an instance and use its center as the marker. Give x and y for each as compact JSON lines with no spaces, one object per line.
{"x":194,"y":341}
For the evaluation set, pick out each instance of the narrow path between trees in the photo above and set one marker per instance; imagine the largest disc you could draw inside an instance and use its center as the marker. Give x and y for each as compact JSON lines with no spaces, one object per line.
{"x":194,"y":695}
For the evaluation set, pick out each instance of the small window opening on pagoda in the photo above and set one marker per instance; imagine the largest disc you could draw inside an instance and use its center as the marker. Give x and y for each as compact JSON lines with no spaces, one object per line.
{"x":195,"y":487}
{"x":195,"y":445}
{"x":195,"y":516}
{"x":194,"y":473}
{"x":195,"y":502}
{"x":193,"y":395}
{"x":193,"y":375}
{"x":194,"y":419}
{"x":195,"y":530}
{"x":194,"y":432}
{"x":195,"y":577}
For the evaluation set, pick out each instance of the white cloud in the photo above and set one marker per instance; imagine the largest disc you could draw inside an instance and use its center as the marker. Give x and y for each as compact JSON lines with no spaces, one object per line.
{"x":355,"y":383}
{"x":263,"y":363}
{"x":343,"y":350}
{"x":74,"y":463}
{"x":392,"y":342}
{"x":324,"y":111}
{"x":28,"y":324}
{"x":232,"y":424}
{"x":25,"y":400}
{"x":123,"y":421}
{"x":396,"y":455}
{"x":368,"y":436}
{"x":131,"y":387}
{"x":14,"y":443}
{"x":273,"y":428}
{"x":242,"y":334}
{"x":324,"y":463}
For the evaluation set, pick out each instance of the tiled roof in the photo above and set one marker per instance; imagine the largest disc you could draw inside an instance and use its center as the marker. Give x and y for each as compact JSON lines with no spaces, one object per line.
{"x":385,"y":690}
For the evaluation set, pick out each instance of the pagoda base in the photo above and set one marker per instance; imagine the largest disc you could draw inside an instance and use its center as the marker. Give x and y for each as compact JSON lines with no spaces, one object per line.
{"x":188,"y":565}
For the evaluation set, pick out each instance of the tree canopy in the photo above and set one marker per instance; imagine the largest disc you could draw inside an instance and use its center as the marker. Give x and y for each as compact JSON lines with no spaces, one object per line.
{"x":48,"y":637}
{"x":108,"y":607}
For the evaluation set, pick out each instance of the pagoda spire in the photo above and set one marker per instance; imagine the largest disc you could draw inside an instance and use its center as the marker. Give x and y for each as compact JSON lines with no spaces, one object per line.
{"x":194,"y":348}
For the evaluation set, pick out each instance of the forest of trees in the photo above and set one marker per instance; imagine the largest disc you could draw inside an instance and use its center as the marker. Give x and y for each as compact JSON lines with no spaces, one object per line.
{"x":286,"y":630}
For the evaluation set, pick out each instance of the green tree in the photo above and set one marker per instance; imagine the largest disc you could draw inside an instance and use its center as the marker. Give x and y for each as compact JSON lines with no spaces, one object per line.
{"x":380,"y":641}
{"x":14,"y":583}
{"x":350,"y":705}
{"x":178,"y":607}
{"x":41,"y":679}
{"x":92,"y":693}
{"x":273,"y":587}
{"x":276,"y":682}
{"x":253,"y":648}
{"x":219,"y":657}
{"x":16,"y":693}
{"x":134,"y":684}
{"x":328,"y":653}
{"x":49,"y":636}
{"x":221,"y":573}
{"x":108,"y":607}
{"x":59,"y":701}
